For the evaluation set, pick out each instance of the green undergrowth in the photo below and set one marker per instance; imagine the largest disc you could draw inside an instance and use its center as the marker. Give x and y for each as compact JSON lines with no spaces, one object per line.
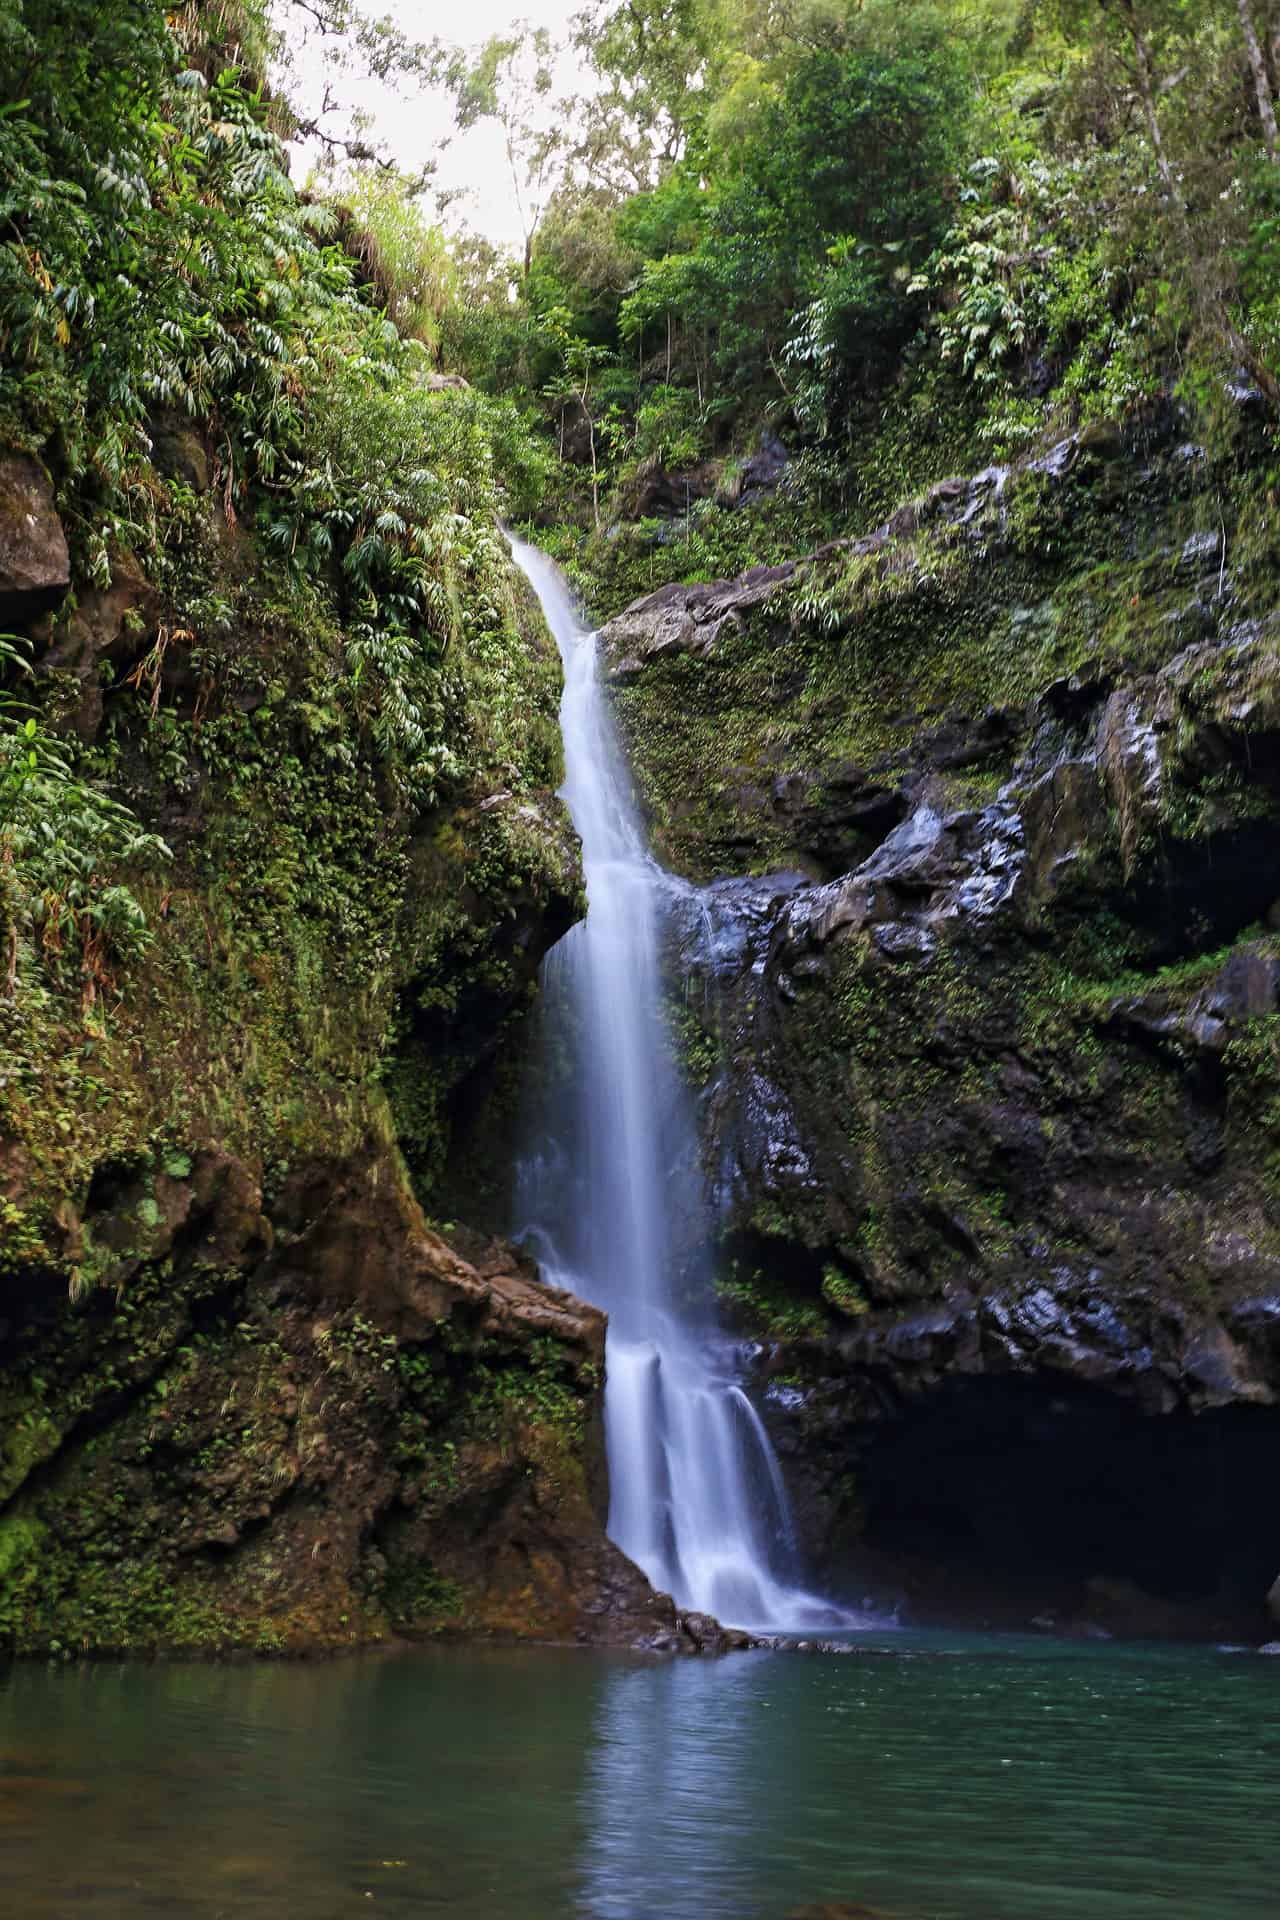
{"x":279,"y":851}
{"x":302,"y":905}
{"x":277,"y":772}
{"x":713,"y":541}
{"x":974,"y":1104}
{"x":859,"y":654}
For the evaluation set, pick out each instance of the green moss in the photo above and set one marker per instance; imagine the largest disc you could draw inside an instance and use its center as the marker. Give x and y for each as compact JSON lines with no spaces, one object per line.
{"x":418,"y":1598}
{"x":860,"y":652}
{"x":769,"y":1308}
{"x":21,"y":1540}
{"x":843,"y":1293}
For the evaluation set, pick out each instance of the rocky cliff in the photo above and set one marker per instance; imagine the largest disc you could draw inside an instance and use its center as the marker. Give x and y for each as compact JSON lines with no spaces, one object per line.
{"x":249,"y":1396}
{"x":987,"y":1021}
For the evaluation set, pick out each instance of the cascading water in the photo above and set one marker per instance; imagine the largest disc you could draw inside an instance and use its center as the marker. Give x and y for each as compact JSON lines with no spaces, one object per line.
{"x":609,"y":1194}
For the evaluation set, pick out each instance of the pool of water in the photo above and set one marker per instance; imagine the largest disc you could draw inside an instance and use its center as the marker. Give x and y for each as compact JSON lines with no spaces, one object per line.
{"x":942,"y":1779}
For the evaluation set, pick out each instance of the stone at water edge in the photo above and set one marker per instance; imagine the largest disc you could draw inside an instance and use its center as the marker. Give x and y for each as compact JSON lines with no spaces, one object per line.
{"x":1273,"y":1598}
{"x":699,"y":1633}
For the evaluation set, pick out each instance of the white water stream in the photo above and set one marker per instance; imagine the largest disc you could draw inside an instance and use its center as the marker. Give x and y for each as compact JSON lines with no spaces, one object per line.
{"x":609,"y":1192}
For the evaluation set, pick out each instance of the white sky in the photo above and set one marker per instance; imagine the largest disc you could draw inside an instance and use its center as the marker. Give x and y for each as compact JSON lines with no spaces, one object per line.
{"x":414,"y":127}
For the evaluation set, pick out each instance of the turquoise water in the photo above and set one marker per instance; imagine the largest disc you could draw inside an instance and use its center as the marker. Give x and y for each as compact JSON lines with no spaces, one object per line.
{"x":993,"y":1779}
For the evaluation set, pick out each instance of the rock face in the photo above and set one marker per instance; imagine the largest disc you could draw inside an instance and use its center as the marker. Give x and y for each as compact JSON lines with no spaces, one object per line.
{"x":991,"y":1081}
{"x":250,"y":1399}
{"x":35,"y":568}
{"x":323,"y":1428}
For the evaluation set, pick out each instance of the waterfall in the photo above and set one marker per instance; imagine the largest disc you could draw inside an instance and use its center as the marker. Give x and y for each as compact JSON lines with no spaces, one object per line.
{"x":609,"y":1197}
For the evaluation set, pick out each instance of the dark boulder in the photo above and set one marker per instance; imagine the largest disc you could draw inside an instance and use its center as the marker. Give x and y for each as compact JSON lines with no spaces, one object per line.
{"x":35,"y":567}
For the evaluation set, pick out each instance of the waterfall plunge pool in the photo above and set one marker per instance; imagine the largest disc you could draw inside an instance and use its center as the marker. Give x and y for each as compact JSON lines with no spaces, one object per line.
{"x":933,"y":1778}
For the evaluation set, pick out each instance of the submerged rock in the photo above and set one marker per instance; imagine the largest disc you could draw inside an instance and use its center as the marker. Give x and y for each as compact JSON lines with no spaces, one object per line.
{"x":700,"y":1633}
{"x":839,"y":1910}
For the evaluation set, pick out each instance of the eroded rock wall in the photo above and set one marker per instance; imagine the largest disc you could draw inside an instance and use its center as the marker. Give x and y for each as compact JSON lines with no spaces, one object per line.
{"x":991,"y":1068}
{"x":250,"y":1396}
{"x":304,"y":1429}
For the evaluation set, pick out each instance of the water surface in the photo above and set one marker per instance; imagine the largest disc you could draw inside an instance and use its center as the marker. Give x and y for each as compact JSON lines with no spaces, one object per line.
{"x":992,"y":1779}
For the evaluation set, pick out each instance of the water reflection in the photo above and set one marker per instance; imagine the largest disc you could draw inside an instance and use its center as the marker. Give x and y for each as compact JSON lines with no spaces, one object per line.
{"x":681,"y":1791}
{"x":997,"y":1781}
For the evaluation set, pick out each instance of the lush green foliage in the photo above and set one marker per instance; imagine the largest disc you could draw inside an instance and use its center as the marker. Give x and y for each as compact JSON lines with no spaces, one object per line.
{"x":60,"y":840}
{"x":157,"y":267}
{"x":840,"y":215}
{"x":406,"y":255}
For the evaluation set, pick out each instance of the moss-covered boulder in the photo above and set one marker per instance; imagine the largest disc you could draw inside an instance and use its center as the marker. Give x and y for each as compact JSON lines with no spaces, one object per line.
{"x":303,"y":1429}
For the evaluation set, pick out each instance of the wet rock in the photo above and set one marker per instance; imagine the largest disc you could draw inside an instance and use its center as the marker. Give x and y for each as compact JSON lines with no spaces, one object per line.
{"x":955,"y":1069}
{"x":762,"y":471}
{"x":656,"y":492}
{"x":1273,"y":1599}
{"x":691,"y":1633}
{"x":664,"y":1640}
{"x":35,"y":566}
{"x":1128,"y":753}
{"x":701,"y":1633}
{"x":1200,"y":552}
{"x":934,"y":871}
{"x":1246,"y":989}
{"x":382,"y":1492}
{"x":1062,"y":817}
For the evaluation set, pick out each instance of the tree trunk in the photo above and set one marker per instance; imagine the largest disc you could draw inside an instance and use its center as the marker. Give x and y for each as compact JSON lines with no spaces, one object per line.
{"x":1261,"y":83}
{"x":1147,"y":94}
{"x":595,"y":475}
{"x":591,"y":433}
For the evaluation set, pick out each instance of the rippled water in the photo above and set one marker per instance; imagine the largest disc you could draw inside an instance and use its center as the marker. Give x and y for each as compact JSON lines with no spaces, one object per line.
{"x":988,"y":1780}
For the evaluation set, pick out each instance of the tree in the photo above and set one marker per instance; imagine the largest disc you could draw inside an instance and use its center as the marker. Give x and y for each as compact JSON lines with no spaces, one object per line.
{"x":651,"y":59}
{"x":510,"y":81}
{"x":1261,"y":80}
{"x":571,"y":386}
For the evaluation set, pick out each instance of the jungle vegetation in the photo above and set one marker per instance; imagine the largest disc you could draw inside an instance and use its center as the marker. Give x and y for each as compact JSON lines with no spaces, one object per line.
{"x":901,"y":234}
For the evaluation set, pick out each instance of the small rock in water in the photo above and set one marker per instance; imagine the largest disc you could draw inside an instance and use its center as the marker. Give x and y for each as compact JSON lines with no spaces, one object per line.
{"x":1272,"y":1646}
{"x":781,"y":1645}
{"x":705,"y":1632}
{"x":666,"y":1641}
